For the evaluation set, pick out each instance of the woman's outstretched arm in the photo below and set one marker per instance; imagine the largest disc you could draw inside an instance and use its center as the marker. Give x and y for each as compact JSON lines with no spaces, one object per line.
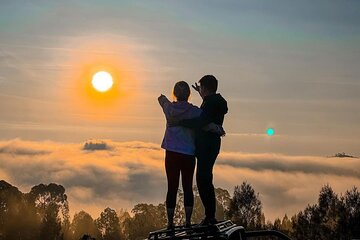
{"x":165,"y":105}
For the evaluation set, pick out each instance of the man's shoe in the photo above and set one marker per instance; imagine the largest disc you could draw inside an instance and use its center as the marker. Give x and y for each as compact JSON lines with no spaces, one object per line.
{"x":213,"y":221}
{"x":208,"y":221}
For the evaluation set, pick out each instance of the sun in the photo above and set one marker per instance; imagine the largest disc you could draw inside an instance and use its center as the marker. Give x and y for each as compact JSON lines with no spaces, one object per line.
{"x":102,"y":81}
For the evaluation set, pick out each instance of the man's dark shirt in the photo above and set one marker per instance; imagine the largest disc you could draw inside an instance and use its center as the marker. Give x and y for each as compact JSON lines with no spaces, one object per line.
{"x":214,"y":107}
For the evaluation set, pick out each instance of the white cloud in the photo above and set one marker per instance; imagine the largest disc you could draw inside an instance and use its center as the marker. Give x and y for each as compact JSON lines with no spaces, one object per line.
{"x":127,"y":173}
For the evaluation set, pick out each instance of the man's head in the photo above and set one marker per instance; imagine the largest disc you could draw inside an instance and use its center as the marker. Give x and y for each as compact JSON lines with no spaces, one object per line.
{"x":181,"y":91}
{"x":208,"y":85}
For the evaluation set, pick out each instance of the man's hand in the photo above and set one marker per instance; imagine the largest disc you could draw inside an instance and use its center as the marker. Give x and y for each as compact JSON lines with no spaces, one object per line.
{"x":196,"y":87}
{"x":215,"y":128}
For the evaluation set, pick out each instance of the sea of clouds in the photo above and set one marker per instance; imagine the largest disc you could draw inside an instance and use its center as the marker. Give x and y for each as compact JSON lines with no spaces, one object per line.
{"x":122,"y":174}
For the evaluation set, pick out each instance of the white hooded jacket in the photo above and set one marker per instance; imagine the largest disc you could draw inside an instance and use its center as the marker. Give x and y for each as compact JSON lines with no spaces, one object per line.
{"x":177,"y":138}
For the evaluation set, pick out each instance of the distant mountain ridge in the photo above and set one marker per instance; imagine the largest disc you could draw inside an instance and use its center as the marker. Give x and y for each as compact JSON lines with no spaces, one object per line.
{"x":342,"y":155}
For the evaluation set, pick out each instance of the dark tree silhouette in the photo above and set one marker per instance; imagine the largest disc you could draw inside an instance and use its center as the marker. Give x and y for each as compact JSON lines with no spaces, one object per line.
{"x":147,"y":217}
{"x":350,"y":214}
{"x":123,"y":217}
{"x":43,"y":214}
{"x":330,"y":218}
{"x":245,"y":207}
{"x":109,"y":225}
{"x":222,"y":206}
{"x":18,"y":218}
{"x":223,"y":198}
{"x":83,"y":224}
{"x":50,"y":202}
{"x":51,"y":223}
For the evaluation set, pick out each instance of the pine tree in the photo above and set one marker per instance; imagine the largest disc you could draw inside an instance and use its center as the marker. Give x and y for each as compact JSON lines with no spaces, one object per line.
{"x":245,"y":207}
{"x":108,"y":224}
{"x":83,"y":224}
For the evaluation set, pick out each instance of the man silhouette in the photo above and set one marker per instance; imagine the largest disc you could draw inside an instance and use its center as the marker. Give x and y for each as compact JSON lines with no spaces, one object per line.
{"x":207,"y":144}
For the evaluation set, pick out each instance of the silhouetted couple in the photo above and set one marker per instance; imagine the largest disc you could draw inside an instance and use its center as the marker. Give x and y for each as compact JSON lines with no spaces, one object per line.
{"x":192,"y":132}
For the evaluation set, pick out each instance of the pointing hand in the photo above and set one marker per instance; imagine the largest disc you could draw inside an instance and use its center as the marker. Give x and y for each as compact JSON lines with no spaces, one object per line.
{"x":161,"y":96}
{"x":196,"y":87}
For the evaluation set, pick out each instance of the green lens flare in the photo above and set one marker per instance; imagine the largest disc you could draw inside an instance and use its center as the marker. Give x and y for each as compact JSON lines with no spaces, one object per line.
{"x":270,"y":131}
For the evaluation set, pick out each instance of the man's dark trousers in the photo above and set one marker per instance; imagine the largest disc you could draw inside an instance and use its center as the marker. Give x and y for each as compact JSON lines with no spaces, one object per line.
{"x":206,"y":155}
{"x":207,"y":148}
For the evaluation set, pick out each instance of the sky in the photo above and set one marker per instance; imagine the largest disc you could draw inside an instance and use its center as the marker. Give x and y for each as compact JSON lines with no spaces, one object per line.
{"x":289,"y":65}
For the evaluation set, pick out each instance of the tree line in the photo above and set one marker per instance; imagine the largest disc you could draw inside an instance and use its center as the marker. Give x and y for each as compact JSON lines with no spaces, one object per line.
{"x":43,"y":213}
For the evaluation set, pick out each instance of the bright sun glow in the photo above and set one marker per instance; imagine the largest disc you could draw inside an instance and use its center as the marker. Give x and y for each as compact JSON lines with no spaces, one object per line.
{"x":102,"y":81}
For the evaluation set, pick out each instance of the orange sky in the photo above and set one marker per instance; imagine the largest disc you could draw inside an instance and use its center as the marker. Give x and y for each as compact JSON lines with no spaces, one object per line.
{"x":289,"y":66}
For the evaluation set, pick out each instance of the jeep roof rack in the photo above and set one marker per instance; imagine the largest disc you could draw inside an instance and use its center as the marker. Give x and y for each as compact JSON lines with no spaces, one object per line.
{"x":225,"y":230}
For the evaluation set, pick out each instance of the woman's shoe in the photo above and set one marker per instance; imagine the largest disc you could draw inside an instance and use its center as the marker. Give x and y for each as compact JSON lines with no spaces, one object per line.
{"x":170,"y":230}
{"x":170,"y":227}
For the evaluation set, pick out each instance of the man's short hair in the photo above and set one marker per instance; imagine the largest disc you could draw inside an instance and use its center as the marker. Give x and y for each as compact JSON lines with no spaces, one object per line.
{"x":209,"y":82}
{"x":181,"y":91}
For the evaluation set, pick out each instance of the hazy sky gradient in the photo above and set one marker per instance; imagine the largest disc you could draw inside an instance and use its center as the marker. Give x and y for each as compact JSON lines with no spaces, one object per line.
{"x":290,"y":65}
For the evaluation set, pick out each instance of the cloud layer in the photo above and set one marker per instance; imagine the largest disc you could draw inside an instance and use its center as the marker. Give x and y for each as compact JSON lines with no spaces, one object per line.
{"x":125,"y":173}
